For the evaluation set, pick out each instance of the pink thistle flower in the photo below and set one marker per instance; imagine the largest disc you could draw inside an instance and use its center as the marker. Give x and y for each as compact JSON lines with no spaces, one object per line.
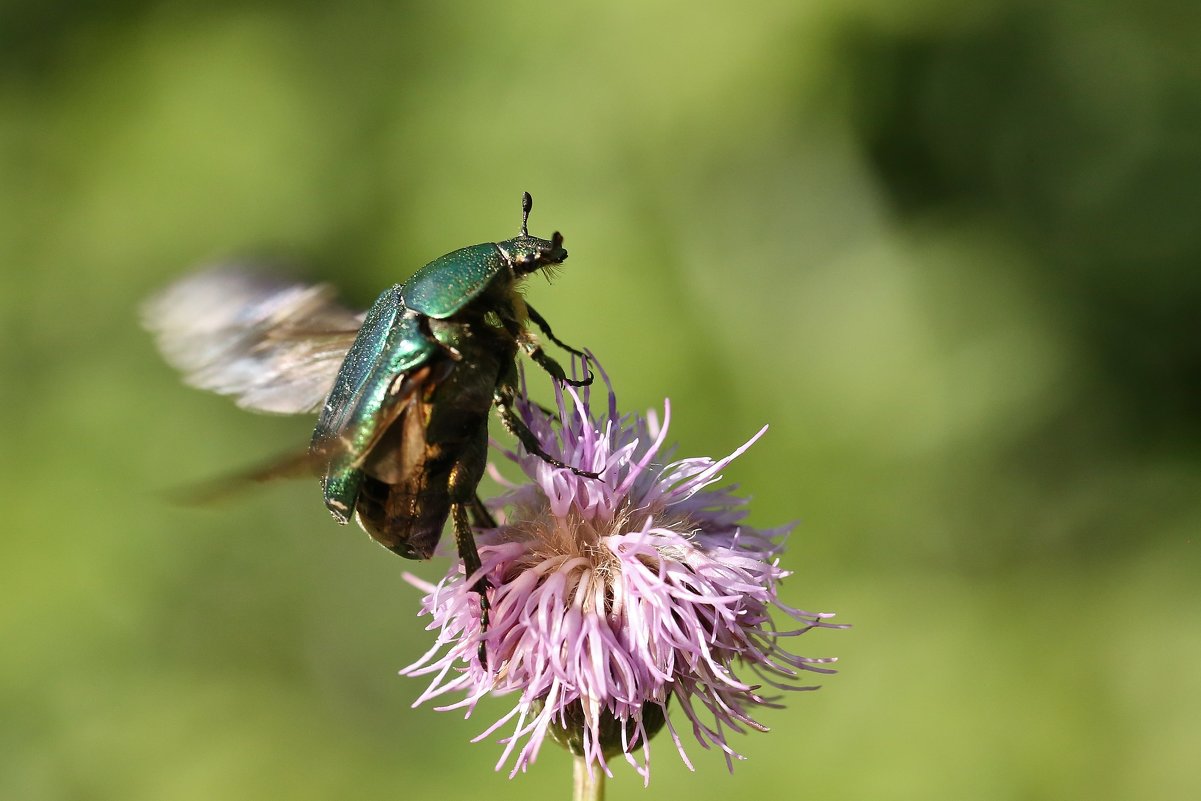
{"x":613,"y":597}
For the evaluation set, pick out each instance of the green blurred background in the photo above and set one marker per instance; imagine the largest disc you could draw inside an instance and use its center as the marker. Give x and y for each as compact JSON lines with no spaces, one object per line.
{"x":950,"y":253}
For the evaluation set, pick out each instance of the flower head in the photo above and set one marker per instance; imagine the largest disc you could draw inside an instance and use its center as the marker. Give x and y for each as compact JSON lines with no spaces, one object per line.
{"x":614,"y":598}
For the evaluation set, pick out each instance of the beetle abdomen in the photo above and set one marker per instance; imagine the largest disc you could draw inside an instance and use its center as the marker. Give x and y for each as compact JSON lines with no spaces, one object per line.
{"x":433,"y":456}
{"x":406,"y":519}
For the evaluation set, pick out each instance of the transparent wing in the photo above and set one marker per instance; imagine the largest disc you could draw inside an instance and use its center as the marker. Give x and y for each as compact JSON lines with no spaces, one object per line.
{"x":274,"y":344}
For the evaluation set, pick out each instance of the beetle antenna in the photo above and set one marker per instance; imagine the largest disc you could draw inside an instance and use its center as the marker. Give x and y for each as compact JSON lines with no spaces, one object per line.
{"x":527,"y":203}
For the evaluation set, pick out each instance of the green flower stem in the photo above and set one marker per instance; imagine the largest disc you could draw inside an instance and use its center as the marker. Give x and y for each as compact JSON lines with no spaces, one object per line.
{"x":586,"y":785}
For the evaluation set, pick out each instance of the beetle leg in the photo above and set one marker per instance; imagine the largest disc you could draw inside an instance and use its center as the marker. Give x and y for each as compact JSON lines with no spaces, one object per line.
{"x":423,"y":323}
{"x":471,"y":564}
{"x":540,"y":321}
{"x":549,"y":364}
{"x":461,"y":484}
{"x":480,"y":516}
{"x":504,"y":402}
{"x":540,"y":357}
{"x":548,"y":412}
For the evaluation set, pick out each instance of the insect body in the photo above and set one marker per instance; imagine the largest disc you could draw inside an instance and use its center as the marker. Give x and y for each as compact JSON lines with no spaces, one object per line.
{"x":404,"y":392}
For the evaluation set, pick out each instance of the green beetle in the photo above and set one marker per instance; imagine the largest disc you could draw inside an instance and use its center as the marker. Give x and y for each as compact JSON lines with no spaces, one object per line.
{"x":404,"y":392}
{"x":407,"y":418}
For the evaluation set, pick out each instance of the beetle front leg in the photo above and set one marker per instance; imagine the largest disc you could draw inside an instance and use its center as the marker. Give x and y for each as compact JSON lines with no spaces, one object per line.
{"x":541,"y":322}
{"x":540,"y":357}
{"x":516,"y":427}
{"x":546,"y":362}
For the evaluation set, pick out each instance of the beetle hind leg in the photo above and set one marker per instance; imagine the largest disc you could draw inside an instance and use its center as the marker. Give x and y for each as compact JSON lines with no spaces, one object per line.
{"x":480,"y":516}
{"x":465,"y":541}
{"x":462,"y":481}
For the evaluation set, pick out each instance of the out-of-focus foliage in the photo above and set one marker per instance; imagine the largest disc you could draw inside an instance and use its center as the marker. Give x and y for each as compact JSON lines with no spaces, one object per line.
{"x":949,"y":251}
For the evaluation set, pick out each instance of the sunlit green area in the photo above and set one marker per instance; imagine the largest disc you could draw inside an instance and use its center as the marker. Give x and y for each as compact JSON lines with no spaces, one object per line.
{"x":950,"y":252}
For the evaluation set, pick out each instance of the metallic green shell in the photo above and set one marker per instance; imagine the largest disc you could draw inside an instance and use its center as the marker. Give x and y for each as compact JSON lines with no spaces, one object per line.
{"x":390,"y":343}
{"x":447,"y":284}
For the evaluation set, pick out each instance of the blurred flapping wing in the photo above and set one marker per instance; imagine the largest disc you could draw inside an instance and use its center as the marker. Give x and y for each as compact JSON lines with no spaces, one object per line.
{"x":274,"y":344}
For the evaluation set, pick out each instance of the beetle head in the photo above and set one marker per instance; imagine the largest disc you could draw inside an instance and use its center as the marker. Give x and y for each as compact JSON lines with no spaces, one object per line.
{"x":529,"y":253}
